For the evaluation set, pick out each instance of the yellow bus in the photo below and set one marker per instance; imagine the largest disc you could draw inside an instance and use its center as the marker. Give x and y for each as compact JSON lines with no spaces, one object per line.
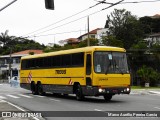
{"x":88,"y":71}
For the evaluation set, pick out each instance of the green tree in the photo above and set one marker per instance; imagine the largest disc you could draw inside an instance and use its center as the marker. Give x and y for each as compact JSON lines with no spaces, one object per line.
{"x":140,"y":48}
{"x":5,"y":38}
{"x":112,"y":41}
{"x":146,"y":23}
{"x":155,"y":48}
{"x":93,"y":42}
{"x":148,"y":75}
{"x":150,"y":25}
{"x":15,"y":44}
{"x":125,"y":27}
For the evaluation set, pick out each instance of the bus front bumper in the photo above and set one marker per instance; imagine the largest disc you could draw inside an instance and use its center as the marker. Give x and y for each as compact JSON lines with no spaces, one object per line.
{"x":96,"y":91}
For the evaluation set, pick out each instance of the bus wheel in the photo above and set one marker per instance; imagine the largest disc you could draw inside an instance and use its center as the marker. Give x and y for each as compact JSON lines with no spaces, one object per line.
{"x":108,"y":97}
{"x":34,"y":88}
{"x":40,"y":89}
{"x":79,"y":94}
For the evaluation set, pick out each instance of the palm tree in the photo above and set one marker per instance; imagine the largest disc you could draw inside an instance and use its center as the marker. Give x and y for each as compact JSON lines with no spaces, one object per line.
{"x":5,"y":38}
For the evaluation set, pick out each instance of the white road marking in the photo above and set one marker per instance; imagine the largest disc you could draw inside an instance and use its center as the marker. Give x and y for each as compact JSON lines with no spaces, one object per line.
{"x":72,"y":95}
{"x":2,"y":101}
{"x":1,"y":97}
{"x":39,"y":96}
{"x":156,"y":92}
{"x":98,"y":110}
{"x":13,"y":96}
{"x":157,"y":107}
{"x":134,"y":93}
{"x":101,"y":111}
{"x":16,"y":106}
{"x":21,"y":109}
{"x":25,"y":96}
{"x":55,"y":100}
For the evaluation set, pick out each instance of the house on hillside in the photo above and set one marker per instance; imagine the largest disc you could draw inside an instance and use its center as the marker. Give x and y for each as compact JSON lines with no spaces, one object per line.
{"x":155,"y":16}
{"x":14,"y":59}
{"x":153,"y":38}
{"x":71,"y":41}
{"x":96,"y":33}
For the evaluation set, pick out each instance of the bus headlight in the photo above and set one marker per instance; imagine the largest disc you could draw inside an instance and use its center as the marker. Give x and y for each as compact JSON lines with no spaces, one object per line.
{"x":128,"y":89}
{"x":101,"y":90}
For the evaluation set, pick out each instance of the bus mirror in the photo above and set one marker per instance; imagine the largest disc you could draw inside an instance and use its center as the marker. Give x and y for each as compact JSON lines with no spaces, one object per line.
{"x":49,"y":4}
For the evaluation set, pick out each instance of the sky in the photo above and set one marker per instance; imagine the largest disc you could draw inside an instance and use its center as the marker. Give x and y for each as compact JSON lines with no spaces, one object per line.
{"x":30,"y":18}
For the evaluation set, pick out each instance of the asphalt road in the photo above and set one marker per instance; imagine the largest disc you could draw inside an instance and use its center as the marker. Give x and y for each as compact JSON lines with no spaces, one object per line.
{"x":90,"y":106}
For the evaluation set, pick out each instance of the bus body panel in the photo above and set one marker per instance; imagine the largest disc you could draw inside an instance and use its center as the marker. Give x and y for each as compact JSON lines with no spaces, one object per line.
{"x":111,"y":80}
{"x":63,"y":79}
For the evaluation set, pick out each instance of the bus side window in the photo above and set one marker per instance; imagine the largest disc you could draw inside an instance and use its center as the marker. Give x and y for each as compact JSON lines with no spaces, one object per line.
{"x":88,"y":64}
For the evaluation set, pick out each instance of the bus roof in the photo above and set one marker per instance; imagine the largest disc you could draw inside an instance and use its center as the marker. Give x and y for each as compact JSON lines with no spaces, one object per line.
{"x":76,"y":50}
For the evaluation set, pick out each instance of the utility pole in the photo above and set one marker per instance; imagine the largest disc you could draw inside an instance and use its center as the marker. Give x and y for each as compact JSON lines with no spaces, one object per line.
{"x":10,"y":64}
{"x":7,"y":5}
{"x":88,"y":41}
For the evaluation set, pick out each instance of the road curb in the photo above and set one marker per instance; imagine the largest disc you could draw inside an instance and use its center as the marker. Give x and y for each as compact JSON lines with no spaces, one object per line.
{"x":154,"y":92}
{"x":145,"y":91}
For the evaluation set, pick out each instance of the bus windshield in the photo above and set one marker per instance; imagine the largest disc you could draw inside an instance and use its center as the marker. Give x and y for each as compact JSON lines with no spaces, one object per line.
{"x":110,"y":62}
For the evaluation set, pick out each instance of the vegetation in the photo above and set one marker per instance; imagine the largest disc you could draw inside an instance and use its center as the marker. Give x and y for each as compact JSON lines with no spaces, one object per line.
{"x":141,"y":87}
{"x":15,"y":44}
{"x":150,"y":25}
{"x":148,"y":75}
{"x":125,"y":27}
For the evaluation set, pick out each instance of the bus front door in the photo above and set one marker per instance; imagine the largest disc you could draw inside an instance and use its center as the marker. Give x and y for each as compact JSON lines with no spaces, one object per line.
{"x":88,"y":70}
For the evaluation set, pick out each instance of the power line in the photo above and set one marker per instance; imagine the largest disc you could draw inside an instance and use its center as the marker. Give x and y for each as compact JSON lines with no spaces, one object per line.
{"x":113,"y":4}
{"x":56,"y":33}
{"x":79,"y":18}
{"x":60,"y":25}
{"x":57,"y":22}
{"x":141,"y":1}
{"x":100,"y":2}
{"x":7,"y":5}
{"x":63,"y":19}
{"x":132,"y":2}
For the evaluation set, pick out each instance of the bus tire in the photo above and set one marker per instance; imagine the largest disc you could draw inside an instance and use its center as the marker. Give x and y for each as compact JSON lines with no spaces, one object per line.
{"x":40,"y":89}
{"x":79,"y":94}
{"x":108,"y":97}
{"x":34,"y":88}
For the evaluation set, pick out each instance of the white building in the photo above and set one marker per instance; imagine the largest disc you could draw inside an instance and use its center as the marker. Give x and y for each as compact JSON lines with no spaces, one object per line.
{"x":96,"y":33}
{"x":153,"y":39}
{"x":14,"y":59}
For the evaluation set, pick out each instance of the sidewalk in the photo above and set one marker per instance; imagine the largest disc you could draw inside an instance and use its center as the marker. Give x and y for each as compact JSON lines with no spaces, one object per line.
{"x":145,"y":91}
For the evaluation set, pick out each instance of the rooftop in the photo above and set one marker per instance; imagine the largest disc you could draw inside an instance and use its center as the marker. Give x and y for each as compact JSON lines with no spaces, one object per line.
{"x":156,"y":16}
{"x":91,"y":32}
{"x":28,"y":52}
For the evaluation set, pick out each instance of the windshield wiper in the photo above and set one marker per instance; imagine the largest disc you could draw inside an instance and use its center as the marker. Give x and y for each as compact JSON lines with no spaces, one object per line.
{"x":116,"y":67}
{"x":106,"y":72}
{"x":120,"y":71}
